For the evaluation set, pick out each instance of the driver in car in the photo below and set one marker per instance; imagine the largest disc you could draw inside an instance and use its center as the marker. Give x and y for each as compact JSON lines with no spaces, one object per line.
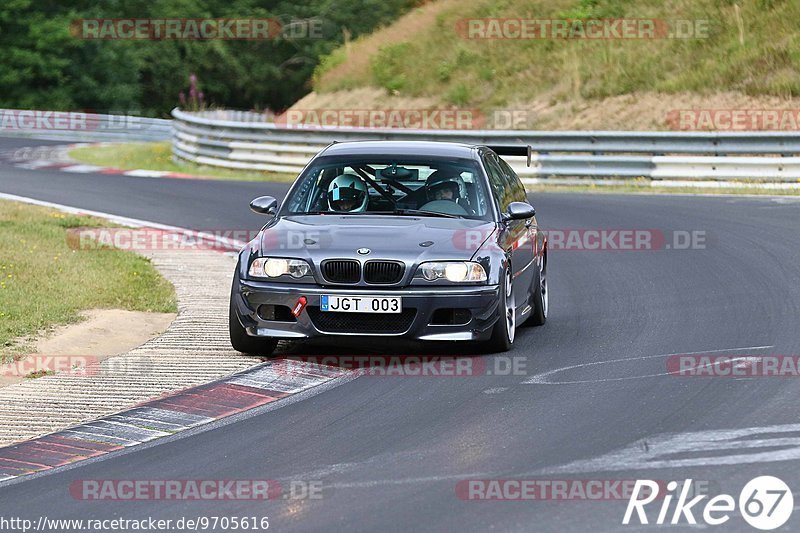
{"x":347,"y":192}
{"x":442,"y":186}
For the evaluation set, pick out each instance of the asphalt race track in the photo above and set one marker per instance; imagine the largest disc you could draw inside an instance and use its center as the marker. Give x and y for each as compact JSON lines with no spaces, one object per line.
{"x":592,"y":399}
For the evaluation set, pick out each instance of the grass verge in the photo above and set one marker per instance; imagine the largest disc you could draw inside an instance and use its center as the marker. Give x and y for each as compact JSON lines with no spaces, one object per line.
{"x":158,"y":156}
{"x":45,"y":283}
{"x":747,"y":47}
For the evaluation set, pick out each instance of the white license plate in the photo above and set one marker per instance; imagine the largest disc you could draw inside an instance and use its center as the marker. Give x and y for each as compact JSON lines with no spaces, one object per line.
{"x":361,"y":304}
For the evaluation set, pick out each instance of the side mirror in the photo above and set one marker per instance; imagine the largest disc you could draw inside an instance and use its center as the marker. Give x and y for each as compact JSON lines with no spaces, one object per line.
{"x":264,"y":205}
{"x":519,"y":211}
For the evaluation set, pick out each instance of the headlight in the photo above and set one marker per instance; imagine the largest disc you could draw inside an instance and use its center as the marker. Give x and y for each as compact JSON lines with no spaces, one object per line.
{"x":273,"y":267}
{"x":455,"y":271}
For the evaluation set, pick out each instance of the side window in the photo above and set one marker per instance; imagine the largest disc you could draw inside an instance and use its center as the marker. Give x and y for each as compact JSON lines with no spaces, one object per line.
{"x":498,"y":182}
{"x":514,"y":181}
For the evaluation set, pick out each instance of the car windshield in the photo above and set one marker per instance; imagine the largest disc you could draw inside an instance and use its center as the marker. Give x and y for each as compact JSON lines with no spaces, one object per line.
{"x":391,"y":186}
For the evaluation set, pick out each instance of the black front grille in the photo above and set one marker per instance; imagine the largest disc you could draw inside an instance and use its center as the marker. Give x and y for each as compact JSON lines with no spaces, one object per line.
{"x":365,"y":323}
{"x":341,"y":271}
{"x":383,"y":272}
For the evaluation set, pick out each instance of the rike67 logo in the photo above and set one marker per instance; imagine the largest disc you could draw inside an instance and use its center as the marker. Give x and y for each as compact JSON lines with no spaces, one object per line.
{"x":765,"y":502}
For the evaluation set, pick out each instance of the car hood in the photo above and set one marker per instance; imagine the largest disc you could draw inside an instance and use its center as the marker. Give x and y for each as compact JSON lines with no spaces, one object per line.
{"x":405,"y":238}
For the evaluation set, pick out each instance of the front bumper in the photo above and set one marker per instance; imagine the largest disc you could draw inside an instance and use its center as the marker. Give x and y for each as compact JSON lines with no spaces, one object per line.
{"x":482,"y":302}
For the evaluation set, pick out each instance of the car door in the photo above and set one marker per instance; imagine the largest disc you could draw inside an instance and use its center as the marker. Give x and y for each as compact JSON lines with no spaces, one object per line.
{"x":527,"y":244}
{"x":515,"y":236}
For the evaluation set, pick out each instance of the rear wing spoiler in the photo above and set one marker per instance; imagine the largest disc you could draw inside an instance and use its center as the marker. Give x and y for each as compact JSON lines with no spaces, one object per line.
{"x":522,"y":150}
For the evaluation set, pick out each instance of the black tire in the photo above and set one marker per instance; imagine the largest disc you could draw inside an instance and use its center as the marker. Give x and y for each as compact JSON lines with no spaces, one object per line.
{"x":242,"y":342}
{"x":540,"y":296}
{"x":504,"y":330}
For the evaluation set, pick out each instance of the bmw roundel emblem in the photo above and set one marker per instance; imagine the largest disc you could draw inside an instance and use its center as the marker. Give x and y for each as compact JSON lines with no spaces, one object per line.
{"x":363,"y":251}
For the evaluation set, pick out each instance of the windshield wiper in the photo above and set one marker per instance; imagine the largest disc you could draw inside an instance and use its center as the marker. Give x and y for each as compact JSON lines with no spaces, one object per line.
{"x":343,"y":213}
{"x":413,"y":212}
{"x":400,"y":212}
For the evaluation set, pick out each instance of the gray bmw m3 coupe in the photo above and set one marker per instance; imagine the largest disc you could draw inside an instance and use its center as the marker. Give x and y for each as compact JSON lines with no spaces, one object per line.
{"x":430,"y":241}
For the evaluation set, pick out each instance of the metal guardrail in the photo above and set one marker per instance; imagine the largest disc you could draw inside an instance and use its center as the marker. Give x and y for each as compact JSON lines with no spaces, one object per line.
{"x":245,"y":140}
{"x":82,"y":126}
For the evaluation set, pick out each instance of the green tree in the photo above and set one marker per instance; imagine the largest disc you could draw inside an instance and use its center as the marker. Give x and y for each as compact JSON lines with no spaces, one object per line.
{"x":45,"y":65}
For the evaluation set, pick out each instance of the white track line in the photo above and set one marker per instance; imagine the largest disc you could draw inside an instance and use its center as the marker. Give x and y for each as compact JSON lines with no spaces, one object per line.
{"x":542,"y":379}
